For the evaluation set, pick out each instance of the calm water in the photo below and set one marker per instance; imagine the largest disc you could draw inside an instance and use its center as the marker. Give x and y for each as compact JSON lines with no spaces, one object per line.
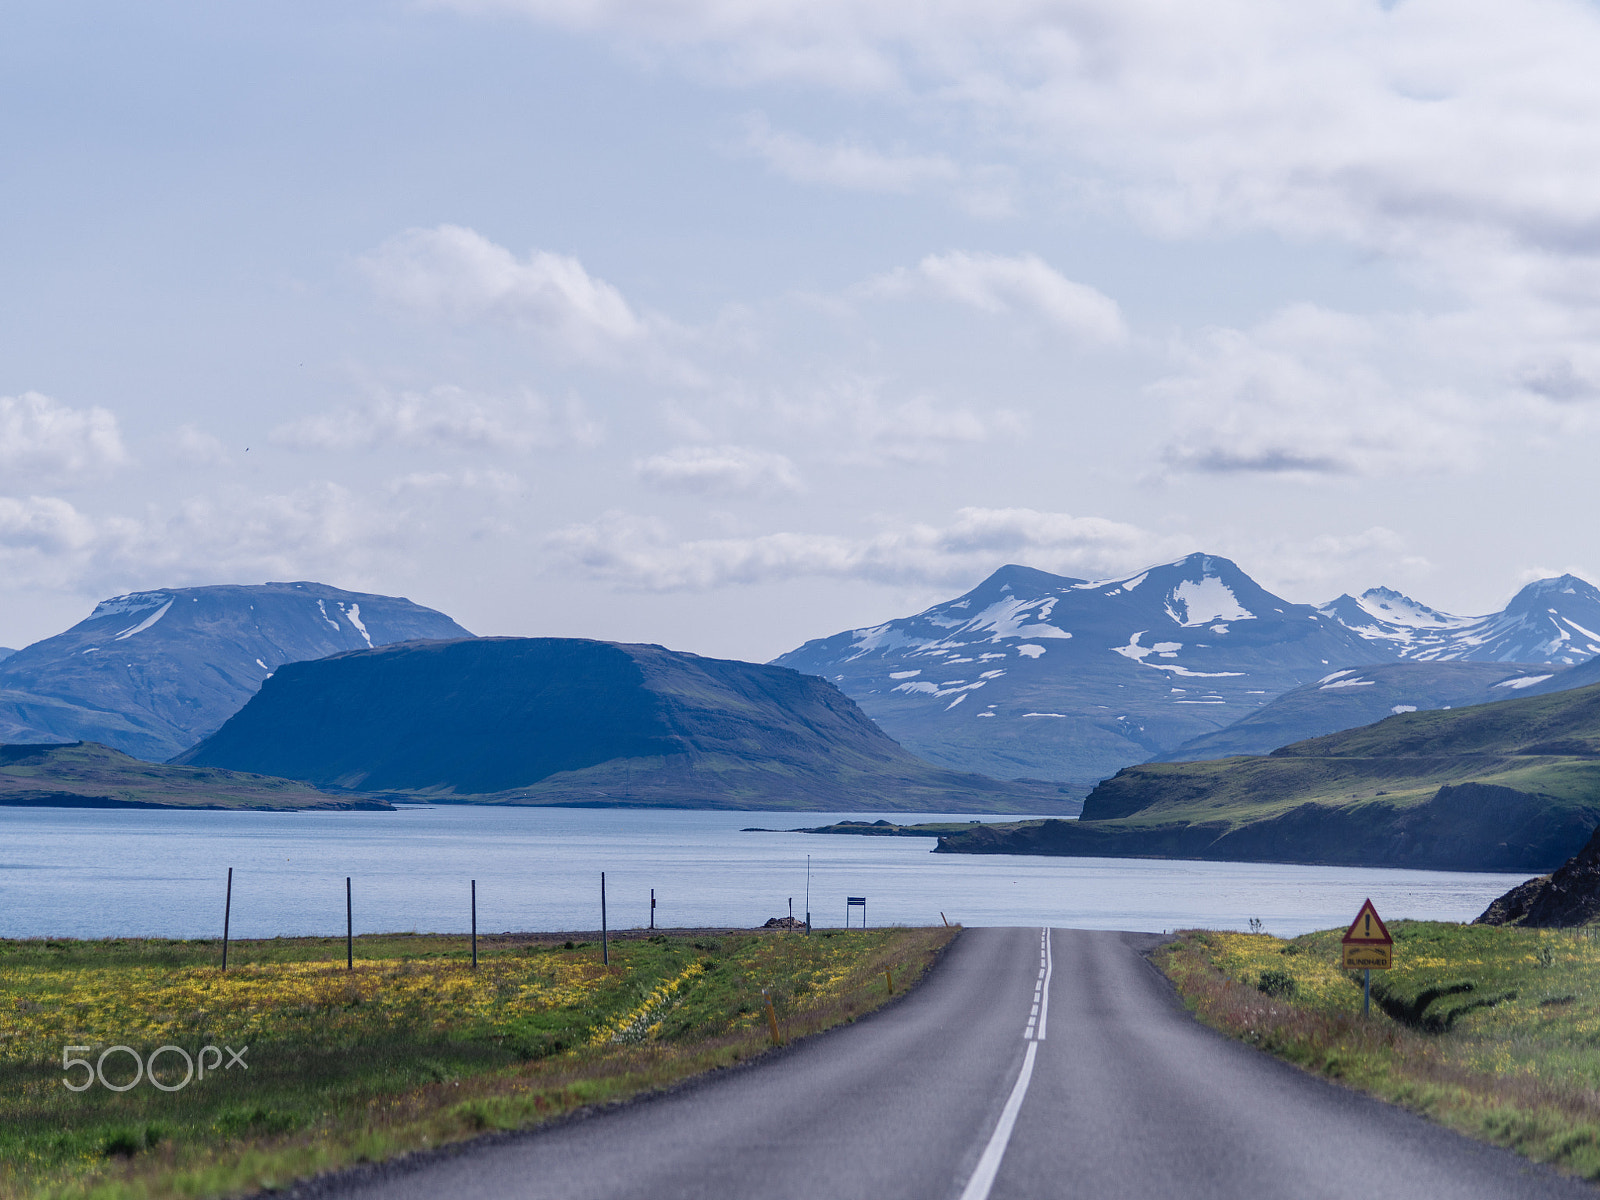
{"x":99,"y":873}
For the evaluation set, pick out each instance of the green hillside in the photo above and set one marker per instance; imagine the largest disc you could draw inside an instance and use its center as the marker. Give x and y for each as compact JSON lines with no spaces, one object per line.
{"x":1509,"y":786}
{"x":89,"y":775}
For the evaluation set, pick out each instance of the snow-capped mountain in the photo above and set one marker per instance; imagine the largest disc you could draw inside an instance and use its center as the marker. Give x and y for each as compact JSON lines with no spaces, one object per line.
{"x":1032,"y":674}
{"x":151,"y":673}
{"x":1039,"y":675}
{"x":1551,"y":620}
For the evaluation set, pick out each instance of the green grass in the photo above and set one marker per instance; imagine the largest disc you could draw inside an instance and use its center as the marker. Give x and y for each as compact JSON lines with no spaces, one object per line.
{"x":1548,"y":745}
{"x":89,"y":774}
{"x":410,"y":1050}
{"x":1492,"y":1031}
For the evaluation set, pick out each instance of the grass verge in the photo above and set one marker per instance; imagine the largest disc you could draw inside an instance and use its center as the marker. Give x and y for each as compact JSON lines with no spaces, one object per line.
{"x":411,"y":1049}
{"x":1494,"y":1032}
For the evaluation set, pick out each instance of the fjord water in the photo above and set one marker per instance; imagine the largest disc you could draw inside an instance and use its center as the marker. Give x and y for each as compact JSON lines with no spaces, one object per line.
{"x":122,"y":873}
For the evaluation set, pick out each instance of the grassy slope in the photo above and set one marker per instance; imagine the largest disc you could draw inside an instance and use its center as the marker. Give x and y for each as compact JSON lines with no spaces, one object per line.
{"x":1546,"y":744}
{"x":86,"y":774}
{"x":1311,"y":801}
{"x":412,"y":1049}
{"x":1494,"y":1032}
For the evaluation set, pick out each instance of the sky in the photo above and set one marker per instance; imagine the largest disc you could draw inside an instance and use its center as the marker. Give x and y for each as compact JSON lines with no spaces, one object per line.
{"x":727,"y":324}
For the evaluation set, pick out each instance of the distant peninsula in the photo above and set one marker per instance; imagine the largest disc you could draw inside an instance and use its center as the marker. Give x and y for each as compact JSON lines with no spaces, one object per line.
{"x":88,"y":775}
{"x":1509,"y":786}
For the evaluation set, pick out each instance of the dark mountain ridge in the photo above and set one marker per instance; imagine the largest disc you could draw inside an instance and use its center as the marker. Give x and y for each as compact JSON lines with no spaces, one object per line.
{"x":572,"y":721}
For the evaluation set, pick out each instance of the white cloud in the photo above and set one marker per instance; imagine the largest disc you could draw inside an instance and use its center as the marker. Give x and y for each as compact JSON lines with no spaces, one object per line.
{"x":867,"y":430}
{"x":1454,"y":134}
{"x":318,"y":531}
{"x":845,"y":164}
{"x":191,"y":444}
{"x":995,"y":283}
{"x":499,"y":485}
{"x":1314,"y":569}
{"x":1317,"y":393}
{"x":640,"y":553}
{"x":46,"y":524}
{"x":720,"y":470}
{"x":445,"y":417}
{"x":457,"y":275}
{"x":44,"y":438}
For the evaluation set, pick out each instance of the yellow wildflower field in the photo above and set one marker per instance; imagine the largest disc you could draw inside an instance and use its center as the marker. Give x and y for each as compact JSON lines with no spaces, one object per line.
{"x":411,"y":1047}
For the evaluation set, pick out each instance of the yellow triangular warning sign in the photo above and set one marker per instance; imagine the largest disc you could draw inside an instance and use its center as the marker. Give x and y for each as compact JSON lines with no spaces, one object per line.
{"x":1368,"y":928}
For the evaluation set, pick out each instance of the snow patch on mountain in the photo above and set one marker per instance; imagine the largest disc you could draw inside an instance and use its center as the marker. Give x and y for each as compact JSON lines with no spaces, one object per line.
{"x":354,"y":614}
{"x":144,"y":624}
{"x":1204,"y":600}
{"x":1523,"y":681}
{"x":133,"y":602}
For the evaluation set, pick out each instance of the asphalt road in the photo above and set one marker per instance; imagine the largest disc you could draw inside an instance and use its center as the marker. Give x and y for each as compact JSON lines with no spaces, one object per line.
{"x":984,"y":1083}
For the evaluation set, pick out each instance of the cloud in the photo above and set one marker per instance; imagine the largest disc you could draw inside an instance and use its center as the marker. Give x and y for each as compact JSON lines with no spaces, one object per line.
{"x":1313,"y":569}
{"x":1455,"y":135}
{"x":867,"y":430}
{"x":1557,"y":378}
{"x":641,"y":554}
{"x":720,"y":470}
{"x":445,"y":417}
{"x":318,"y":531}
{"x":457,"y":275}
{"x":844,"y":164}
{"x":499,"y":485}
{"x":42,"y":524}
{"x":996,"y":283}
{"x":44,"y":438}
{"x":1317,"y":393}
{"x":191,"y":444}
{"x":852,"y":164}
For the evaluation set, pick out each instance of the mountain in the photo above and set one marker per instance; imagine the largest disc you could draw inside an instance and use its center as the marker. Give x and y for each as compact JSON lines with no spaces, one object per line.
{"x":1032,"y":674}
{"x":1509,"y":786}
{"x":1549,"y":621}
{"x":1359,"y":696}
{"x":570,"y":721}
{"x":6,"y":652}
{"x":86,"y":775}
{"x":153,"y":672}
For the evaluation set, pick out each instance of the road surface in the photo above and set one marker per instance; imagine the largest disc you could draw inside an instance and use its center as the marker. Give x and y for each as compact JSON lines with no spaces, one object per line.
{"x":1028,"y":1065}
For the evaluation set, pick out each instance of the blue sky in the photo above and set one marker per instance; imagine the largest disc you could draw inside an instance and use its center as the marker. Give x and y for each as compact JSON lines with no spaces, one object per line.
{"x":727,"y":325}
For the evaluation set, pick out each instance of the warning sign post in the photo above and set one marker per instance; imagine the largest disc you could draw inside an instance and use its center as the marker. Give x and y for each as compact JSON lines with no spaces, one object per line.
{"x":1368,"y":947}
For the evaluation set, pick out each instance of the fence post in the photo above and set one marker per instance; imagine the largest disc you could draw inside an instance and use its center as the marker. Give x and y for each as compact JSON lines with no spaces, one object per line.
{"x":349,"y":929}
{"x":474,"y":924}
{"x":772,"y":1017}
{"x":605,"y":948}
{"x":227,"y":911}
